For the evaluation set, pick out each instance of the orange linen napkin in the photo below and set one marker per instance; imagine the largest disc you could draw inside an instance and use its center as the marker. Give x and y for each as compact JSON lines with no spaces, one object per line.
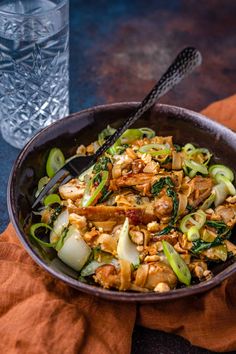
{"x":39,"y":314}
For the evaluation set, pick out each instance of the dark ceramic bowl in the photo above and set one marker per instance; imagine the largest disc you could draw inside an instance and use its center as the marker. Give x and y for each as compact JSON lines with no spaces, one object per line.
{"x":82,"y":128}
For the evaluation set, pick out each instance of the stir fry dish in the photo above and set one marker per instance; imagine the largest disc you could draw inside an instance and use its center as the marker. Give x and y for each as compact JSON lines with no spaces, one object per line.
{"x":150,"y":215}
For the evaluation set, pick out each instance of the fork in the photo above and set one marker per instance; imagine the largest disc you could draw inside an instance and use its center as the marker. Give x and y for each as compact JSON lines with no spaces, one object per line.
{"x":186,"y":61}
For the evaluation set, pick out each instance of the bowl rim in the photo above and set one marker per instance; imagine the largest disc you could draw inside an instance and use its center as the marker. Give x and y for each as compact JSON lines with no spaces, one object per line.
{"x":147,"y":297}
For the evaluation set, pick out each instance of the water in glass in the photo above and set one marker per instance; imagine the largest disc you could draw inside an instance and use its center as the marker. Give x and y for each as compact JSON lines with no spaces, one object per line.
{"x":33,"y":66}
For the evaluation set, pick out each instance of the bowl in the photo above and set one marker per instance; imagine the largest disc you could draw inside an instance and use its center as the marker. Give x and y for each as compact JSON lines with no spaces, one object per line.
{"x":83,"y":128}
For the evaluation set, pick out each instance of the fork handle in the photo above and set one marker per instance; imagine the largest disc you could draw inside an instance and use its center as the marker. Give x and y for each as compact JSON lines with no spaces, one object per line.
{"x":186,"y":61}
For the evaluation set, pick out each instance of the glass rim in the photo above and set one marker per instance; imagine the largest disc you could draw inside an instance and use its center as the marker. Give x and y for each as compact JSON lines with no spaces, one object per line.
{"x":57,"y":7}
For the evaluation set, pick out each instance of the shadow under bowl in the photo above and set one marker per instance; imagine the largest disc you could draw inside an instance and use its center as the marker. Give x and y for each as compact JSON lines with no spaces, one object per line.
{"x":83,"y":128}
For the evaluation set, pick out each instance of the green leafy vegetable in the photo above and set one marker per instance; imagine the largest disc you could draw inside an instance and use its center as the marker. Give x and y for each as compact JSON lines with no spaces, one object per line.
{"x":166,"y":230}
{"x":167,"y":160}
{"x":172,"y":194}
{"x":222,"y":231}
{"x":177,"y":147}
{"x":159,"y":185}
{"x":221,"y":228}
{"x":200,"y":245}
{"x":101,"y":164}
{"x":105,"y":194}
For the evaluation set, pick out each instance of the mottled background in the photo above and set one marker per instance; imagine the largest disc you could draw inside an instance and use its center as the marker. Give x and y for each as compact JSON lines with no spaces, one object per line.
{"x":118,"y":49}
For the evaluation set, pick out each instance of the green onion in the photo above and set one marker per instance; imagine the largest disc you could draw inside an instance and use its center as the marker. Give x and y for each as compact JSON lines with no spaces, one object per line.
{"x":203,"y":151}
{"x":128,"y":137}
{"x":197,"y":219}
{"x":223,"y":170}
{"x":87,"y":198}
{"x":229,"y":186}
{"x":41,"y":184}
{"x":220,"y":191}
{"x":178,"y":265}
{"x":207,"y":203}
{"x":188,"y":148}
{"x":154,"y":149}
{"x":195,"y":167}
{"x":149,"y":133}
{"x":35,"y":227}
{"x":52,"y":199}
{"x":55,"y":161}
{"x":131,"y":135}
{"x":193,"y":233}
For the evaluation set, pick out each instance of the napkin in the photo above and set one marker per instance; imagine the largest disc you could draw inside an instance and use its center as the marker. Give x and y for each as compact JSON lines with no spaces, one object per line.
{"x":39,"y":314}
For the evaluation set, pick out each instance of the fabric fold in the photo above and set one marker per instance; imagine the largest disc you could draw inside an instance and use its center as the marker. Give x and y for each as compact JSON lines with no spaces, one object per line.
{"x":39,"y":314}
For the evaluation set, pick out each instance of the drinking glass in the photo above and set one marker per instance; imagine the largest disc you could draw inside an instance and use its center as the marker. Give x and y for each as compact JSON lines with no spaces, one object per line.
{"x":34,"y":55}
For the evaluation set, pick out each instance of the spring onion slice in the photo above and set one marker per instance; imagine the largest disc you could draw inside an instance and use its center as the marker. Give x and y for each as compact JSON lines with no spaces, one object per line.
{"x":223,"y":170}
{"x":130,"y":135}
{"x":42,"y":182}
{"x":208,"y":202}
{"x":154,"y":149}
{"x":148,"y":132}
{"x":197,"y":219}
{"x":35,"y":227}
{"x":202,"y":151}
{"x":220,"y":191}
{"x":229,"y":185}
{"x":178,"y":265}
{"x":196,"y":167}
{"x":55,"y":161}
{"x":193,"y":233}
{"x":188,"y":148}
{"x":52,"y":199}
{"x":88,"y":199}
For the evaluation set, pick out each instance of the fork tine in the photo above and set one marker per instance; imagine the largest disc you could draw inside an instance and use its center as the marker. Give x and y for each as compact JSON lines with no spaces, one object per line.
{"x":61,"y":176}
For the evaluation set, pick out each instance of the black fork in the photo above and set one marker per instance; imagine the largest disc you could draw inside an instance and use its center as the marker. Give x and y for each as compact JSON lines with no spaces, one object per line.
{"x":186,"y":61}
